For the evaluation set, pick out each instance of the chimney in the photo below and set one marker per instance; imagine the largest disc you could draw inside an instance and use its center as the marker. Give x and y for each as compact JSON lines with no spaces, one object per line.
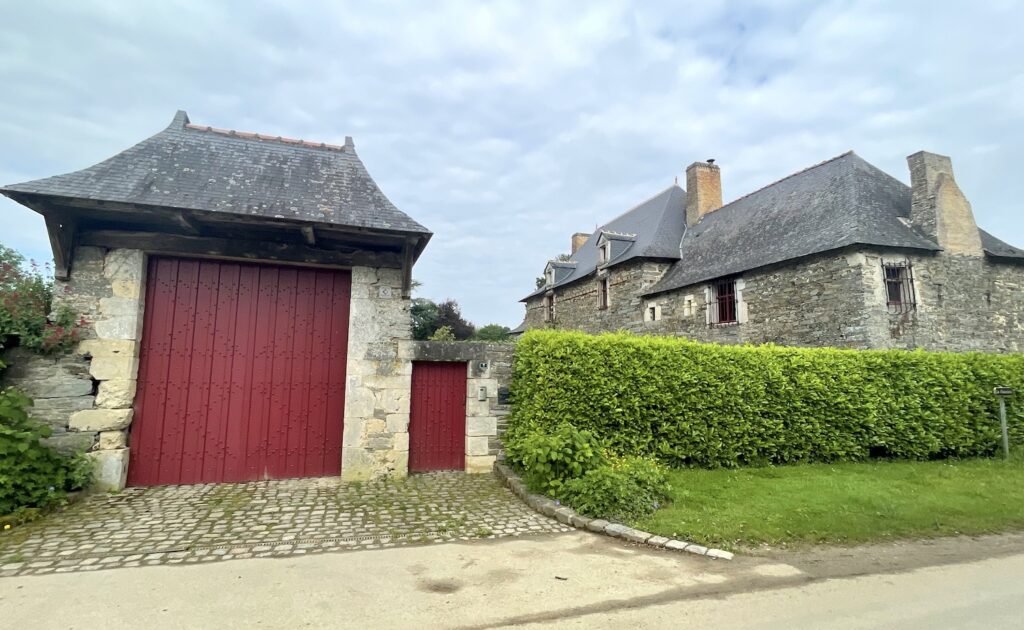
{"x":938,"y":207}
{"x":578,"y":239}
{"x":703,"y":190}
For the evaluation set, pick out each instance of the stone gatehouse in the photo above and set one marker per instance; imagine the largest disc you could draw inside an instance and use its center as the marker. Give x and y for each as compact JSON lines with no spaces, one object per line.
{"x":840,"y":254}
{"x":247,"y":304}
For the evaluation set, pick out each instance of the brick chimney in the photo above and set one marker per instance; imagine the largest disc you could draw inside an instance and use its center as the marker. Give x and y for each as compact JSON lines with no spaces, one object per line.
{"x":578,"y":239}
{"x":939,"y":208}
{"x":703,"y":190}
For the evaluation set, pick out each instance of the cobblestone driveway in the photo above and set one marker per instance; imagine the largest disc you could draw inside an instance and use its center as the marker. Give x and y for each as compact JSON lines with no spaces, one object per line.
{"x":205,"y":523}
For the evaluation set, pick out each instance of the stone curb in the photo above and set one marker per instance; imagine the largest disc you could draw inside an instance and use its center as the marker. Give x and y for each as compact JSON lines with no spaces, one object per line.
{"x":567,"y":515}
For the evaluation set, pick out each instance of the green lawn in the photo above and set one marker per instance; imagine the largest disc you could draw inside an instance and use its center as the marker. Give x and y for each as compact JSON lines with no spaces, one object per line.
{"x":842,"y":502}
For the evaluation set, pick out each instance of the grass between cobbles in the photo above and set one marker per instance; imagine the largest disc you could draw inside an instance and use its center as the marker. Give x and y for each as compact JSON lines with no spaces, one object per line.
{"x":842,"y":503}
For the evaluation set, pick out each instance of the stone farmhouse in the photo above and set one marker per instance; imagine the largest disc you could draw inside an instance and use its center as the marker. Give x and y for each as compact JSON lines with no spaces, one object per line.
{"x":839,"y":254}
{"x":247,"y":300}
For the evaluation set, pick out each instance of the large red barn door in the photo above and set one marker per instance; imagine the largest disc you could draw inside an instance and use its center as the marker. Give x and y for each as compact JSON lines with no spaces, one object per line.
{"x":437,"y":417}
{"x":241,"y":373}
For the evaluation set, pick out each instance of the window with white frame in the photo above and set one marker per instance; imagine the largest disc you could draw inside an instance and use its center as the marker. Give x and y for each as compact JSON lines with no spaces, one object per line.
{"x":604,"y":253}
{"x":653,"y":312}
{"x":604,"y":287}
{"x":724,"y":304}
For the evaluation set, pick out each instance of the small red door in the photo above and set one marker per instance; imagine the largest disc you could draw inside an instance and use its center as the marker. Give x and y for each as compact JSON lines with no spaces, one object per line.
{"x":241,"y":373}
{"x":437,"y":421}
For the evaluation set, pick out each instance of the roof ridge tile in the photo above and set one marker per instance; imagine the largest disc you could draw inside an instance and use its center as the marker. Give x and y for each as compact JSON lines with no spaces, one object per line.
{"x":248,"y":135}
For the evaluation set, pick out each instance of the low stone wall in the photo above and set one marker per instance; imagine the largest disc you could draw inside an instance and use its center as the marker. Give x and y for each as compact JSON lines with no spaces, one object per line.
{"x":59,"y":386}
{"x":86,"y":396}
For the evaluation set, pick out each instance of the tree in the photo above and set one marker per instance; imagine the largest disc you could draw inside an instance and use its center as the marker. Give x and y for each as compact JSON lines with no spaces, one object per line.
{"x":493,"y":332}
{"x":449,"y":314}
{"x":444,"y":333}
{"x":424,"y":318}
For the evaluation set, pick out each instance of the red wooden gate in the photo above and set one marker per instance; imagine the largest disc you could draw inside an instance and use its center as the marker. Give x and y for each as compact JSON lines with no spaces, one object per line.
{"x":437,"y":421}
{"x":241,"y":373}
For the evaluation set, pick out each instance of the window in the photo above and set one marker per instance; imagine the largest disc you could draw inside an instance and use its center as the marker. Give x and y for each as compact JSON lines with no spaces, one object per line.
{"x":549,"y":308}
{"x":604,"y":253}
{"x":899,"y":287}
{"x":603,"y":293}
{"x":549,"y":276}
{"x":653,"y":313}
{"x":688,"y":306}
{"x":722,"y":306}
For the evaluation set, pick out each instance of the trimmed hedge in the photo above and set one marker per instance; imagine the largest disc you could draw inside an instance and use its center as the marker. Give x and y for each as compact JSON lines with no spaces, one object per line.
{"x":707,"y":405}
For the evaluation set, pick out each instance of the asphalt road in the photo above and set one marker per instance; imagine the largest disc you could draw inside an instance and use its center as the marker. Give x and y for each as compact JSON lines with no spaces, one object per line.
{"x":574,"y":580}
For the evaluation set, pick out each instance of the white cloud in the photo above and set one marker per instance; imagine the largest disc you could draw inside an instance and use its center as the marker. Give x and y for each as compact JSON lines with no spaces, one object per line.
{"x":506,"y":126}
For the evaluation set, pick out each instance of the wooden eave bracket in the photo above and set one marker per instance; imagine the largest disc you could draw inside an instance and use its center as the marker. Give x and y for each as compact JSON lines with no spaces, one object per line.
{"x":408,"y":253}
{"x":63,"y":232}
{"x":309,"y":234}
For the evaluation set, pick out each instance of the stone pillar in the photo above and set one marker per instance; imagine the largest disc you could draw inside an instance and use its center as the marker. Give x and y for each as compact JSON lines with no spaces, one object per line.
{"x":378,"y":378}
{"x":481,"y":421}
{"x":108,"y":289}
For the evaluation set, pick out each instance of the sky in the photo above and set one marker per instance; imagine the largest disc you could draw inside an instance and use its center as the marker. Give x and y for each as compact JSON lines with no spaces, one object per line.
{"x":504,"y":127}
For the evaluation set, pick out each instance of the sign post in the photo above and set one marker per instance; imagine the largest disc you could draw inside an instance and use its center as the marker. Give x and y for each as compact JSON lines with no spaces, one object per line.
{"x":1002,"y":393}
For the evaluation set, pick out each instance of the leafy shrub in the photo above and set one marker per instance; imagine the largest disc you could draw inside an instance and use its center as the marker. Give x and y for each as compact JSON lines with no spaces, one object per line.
{"x":625,"y":488}
{"x":444,"y":333}
{"x":26,"y":301}
{"x":688,"y":403}
{"x":32,"y":475}
{"x":550,"y":459}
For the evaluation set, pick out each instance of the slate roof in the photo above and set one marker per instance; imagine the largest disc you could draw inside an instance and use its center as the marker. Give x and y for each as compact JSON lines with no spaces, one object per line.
{"x":652,"y":229}
{"x":205,"y":169}
{"x":997,"y":248}
{"x":839,"y":202}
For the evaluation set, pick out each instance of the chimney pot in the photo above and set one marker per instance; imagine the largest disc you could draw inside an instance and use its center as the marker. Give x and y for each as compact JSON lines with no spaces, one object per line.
{"x":703,"y":190}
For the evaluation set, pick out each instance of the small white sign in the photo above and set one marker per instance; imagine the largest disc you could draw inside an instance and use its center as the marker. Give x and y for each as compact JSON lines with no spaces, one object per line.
{"x":384,"y":293}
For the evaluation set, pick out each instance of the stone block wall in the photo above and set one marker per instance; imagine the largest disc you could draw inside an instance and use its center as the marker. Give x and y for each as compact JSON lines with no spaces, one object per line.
{"x":817,"y":301}
{"x":577,"y":308}
{"x":964,"y":303}
{"x":378,"y":378}
{"x":86,"y":396}
{"x":836,"y":299}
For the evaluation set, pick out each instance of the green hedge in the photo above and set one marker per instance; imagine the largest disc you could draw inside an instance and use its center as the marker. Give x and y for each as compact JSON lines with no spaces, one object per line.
{"x":688,"y":403}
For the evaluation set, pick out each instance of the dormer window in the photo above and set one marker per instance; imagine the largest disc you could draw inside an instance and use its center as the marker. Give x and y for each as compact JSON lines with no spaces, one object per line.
{"x":549,"y":275}
{"x":604,"y":253}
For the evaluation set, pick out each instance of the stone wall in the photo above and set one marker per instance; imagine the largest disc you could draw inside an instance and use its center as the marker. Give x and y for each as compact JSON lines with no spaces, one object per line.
{"x":378,"y":379}
{"x":964,"y":303}
{"x":59,"y":386}
{"x":87,"y":395}
{"x":814,"y":302}
{"x":576,"y":304}
{"x":835,"y":299}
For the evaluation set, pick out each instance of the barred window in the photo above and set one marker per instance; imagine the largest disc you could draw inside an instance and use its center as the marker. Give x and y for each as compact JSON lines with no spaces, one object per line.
{"x":722,"y":306}
{"x":899,"y":287}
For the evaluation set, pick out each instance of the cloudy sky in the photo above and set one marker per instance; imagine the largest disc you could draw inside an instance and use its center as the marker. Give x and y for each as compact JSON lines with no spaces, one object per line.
{"x":506,"y":126}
